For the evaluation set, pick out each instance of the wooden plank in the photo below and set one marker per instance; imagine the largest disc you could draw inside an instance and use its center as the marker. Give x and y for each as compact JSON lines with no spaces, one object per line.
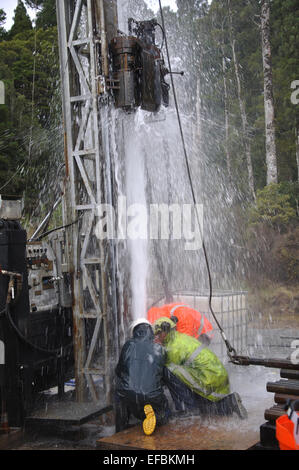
{"x":184,"y":434}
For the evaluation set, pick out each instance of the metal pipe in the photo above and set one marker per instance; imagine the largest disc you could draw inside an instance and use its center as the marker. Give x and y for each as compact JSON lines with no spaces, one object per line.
{"x":43,"y":223}
{"x":289,"y":374}
{"x":274,"y":363}
{"x":100,"y":14}
{"x":283,"y":398}
{"x":11,"y":274}
{"x":286,"y":387}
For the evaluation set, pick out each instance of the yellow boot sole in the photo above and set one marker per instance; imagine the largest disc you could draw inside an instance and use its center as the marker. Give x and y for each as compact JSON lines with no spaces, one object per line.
{"x":149,"y":424}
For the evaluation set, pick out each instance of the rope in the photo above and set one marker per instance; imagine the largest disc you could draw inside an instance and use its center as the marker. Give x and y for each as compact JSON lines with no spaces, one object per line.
{"x":230,"y":349}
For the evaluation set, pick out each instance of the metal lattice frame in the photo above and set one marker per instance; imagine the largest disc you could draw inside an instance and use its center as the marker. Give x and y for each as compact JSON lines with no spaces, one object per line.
{"x":82,"y":76}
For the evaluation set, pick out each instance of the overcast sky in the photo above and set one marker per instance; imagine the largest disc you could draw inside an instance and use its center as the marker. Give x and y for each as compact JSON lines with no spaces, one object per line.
{"x":10,"y":5}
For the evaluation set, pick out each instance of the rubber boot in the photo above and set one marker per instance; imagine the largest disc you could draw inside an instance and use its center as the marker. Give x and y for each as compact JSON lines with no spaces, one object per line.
{"x":149,"y":424}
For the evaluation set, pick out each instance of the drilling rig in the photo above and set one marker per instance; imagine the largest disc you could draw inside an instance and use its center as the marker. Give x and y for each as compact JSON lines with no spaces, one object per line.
{"x":61,"y":317}
{"x":101,"y":68}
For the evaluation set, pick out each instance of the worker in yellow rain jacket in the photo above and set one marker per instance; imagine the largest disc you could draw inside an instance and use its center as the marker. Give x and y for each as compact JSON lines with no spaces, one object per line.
{"x":196,"y":378}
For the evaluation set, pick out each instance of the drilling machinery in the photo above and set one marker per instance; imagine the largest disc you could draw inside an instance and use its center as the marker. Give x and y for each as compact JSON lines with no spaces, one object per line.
{"x":58,"y":302}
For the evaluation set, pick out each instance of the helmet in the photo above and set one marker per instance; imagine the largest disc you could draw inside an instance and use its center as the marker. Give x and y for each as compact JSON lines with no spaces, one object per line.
{"x":163,"y":324}
{"x":137,"y":322}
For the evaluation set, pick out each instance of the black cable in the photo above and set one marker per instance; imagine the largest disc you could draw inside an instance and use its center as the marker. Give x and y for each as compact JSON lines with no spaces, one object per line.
{"x":229,"y":347}
{"x":163,"y":35}
{"x":37,"y":239}
{"x":3,"y":312}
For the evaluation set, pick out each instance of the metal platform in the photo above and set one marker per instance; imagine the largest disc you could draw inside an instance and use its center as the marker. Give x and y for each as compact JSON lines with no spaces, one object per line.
{"x":188,"y":433}
{"x":69,"y":413}
{"x":64,"y":419}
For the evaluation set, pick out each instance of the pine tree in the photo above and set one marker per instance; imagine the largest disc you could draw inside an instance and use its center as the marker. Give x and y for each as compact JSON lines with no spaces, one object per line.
{"x":2,"y":21}
{"x":285,"y":62}
{"x":46,"y":17}
{"x":34,"y":3}
{"x":28,"y":137}
{"x":242,"y":106}
{"x":22,"y":21}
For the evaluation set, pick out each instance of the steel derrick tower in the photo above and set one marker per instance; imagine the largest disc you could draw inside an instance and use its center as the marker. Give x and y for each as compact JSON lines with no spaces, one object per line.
{"x":85,"y":27}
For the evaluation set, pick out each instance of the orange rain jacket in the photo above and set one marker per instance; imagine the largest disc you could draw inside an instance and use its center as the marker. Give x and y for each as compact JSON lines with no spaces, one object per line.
{"x":190,"y":321}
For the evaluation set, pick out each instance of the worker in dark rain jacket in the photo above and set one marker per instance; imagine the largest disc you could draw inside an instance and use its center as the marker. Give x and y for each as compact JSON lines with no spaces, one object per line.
{"x":139,"y":380}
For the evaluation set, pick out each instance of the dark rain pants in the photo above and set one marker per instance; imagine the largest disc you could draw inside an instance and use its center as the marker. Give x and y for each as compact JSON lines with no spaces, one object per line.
{"x":187,"y":400}
{"x":128,"y":403}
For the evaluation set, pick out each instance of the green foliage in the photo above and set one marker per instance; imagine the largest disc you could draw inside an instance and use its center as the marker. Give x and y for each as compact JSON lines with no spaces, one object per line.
{"x":2,"y":16}
{"x":29,"y":67}
{"x":46,"y":18}
{"x":2,"y":21}
{"x":272,"y":236}
{"x":285,"y":52}
{"x":34,"y":3}
{"x":200,"y":36}
{"x":273,"y":207}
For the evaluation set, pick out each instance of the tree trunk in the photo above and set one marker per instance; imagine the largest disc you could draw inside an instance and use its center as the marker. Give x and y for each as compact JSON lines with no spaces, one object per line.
{"x":198,"y":116}
{"x":242,"y":110}
{"x":271,"y":159}
{"x":226,"y":145}
{"x":297,"y":150}
{"x":244,"y":124}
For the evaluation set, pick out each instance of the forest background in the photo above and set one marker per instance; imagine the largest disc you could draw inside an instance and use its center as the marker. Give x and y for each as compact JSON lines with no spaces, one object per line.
{"x":245,"y":77}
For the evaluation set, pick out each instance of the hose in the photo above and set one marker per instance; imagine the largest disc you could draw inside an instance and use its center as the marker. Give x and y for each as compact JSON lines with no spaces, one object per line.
{"x":44,"y":234}
{"x":55,"y":352}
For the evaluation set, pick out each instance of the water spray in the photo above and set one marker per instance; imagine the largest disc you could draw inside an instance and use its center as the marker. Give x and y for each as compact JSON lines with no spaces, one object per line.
{"x":230,"y":350}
